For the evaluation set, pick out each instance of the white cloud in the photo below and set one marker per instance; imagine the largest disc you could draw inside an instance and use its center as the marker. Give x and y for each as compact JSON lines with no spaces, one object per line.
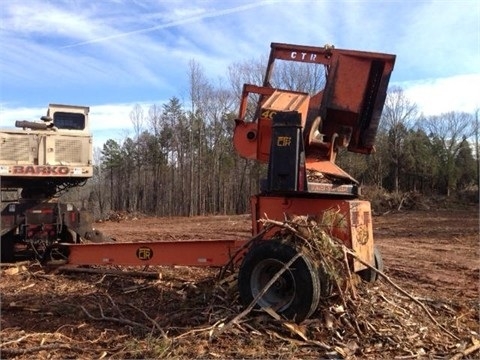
{"x":8,"y":116}
{"x":110,"y":116}
{"x":442,"y":95}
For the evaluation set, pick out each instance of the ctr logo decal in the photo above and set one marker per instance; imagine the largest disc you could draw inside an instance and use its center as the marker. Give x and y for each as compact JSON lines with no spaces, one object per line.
{"x":144,"y":253}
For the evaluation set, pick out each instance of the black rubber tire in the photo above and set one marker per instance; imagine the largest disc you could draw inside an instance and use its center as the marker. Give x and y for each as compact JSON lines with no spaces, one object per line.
{"x":7,"y":248}
{"x":295,"y":295}
{"x":55,"y":252}
{"x":68,"y":236}
{"x":370,"y":275}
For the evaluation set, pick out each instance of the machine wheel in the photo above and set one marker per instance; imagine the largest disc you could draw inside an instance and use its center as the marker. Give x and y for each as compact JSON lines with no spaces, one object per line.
{"x":370,"y":275}
{"x":68,"y":236}
{"x":7,"y":248}
{"x":55,"y":253}
{"x":295,"y":294}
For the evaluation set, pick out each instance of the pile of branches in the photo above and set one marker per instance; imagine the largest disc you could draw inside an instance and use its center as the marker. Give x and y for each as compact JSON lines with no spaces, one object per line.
{"x":118,"y":216}
{"x":384,"y":202}
{"x":360,"y":318}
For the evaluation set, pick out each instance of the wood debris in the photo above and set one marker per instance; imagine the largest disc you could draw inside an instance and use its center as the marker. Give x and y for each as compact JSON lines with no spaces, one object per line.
{"x":189,"y":313}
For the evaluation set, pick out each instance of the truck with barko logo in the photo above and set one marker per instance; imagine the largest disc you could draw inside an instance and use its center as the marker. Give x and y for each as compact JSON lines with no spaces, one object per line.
{"x":39,"y":160}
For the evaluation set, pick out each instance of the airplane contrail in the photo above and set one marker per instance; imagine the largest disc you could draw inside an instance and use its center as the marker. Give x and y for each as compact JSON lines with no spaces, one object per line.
{"x":175,"y":23}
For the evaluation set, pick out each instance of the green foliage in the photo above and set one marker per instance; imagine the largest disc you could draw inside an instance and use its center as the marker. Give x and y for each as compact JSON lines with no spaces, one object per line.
{"x":111,"y":154}
{"x":465,"y":166}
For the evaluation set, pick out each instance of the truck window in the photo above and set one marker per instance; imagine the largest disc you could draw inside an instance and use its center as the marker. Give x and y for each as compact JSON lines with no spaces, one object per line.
{"x":69,"y":121}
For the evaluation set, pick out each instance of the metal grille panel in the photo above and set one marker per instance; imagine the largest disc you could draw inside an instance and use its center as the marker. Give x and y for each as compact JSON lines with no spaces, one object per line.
{"x":15,"y":148}
{"x":68,"y":150}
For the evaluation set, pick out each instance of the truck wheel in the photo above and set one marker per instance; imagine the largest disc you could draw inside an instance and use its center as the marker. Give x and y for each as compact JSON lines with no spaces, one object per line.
{"x":370,"y":275}
{"x":295,"y":294}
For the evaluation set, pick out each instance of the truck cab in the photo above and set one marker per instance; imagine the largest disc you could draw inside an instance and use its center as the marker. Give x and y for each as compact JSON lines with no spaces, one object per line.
{"x":58,"y":150}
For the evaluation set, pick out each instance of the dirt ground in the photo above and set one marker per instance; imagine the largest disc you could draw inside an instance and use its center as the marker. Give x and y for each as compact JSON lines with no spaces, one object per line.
{"x":186,"y":312}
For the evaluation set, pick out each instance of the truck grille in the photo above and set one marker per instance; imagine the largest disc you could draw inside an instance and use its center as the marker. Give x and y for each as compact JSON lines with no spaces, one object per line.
{"x":68,"y":150}
{"x":15,"y":148}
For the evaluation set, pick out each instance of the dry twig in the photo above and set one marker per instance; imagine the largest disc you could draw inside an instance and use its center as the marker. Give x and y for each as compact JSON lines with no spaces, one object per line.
{"x":113,"y":319}
{"x":142,"y":274}
{"x":398,"y":288}
{"x":468,"y":351}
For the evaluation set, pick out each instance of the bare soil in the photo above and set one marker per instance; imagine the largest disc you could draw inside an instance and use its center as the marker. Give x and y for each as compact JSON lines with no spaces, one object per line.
{"x":185,"y":312}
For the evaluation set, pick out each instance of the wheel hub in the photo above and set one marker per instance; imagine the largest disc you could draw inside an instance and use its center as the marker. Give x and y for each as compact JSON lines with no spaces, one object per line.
{"x":281,"y":294}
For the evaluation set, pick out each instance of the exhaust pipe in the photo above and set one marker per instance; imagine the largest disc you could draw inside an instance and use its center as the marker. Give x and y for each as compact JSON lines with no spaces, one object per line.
{"x":30,"y":124}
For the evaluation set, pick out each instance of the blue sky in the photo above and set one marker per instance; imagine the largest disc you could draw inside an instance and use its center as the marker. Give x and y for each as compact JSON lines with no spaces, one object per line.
{"x":113,"y":54}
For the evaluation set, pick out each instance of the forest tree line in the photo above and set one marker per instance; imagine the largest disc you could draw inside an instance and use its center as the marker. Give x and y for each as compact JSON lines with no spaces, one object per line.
{"x":180,"y":160}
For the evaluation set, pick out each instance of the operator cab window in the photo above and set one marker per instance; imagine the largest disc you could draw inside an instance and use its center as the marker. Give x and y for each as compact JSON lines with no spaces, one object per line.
{"x":69,"y":121}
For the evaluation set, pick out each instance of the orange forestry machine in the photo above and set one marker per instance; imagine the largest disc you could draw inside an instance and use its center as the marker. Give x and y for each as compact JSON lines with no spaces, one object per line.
{"x":298,"y":134}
